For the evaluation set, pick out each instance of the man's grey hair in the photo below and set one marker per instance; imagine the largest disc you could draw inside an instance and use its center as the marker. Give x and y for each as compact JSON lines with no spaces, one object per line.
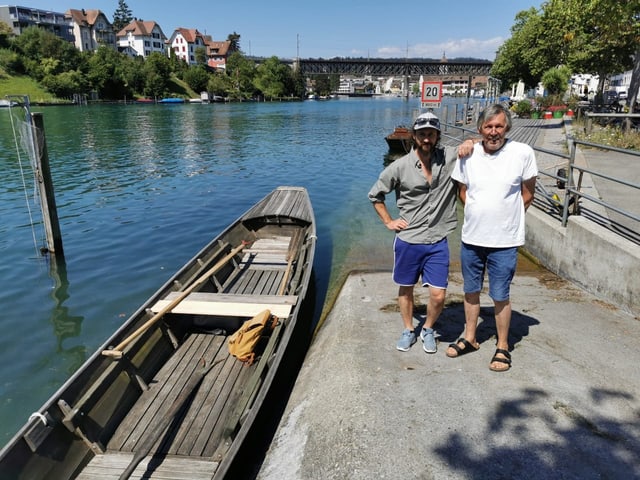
{"x":492,"y":111}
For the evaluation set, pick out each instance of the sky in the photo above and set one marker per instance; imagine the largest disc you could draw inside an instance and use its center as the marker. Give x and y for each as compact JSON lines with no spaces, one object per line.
{"x":332,"y":28}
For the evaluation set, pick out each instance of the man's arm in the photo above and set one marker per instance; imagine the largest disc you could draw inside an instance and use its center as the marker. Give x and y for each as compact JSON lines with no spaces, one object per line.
{"x":528,"y":191}
{"x":391,"y":224}
{"x":462,"y":192}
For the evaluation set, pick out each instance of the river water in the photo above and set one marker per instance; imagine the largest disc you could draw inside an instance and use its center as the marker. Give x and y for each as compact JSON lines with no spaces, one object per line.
{"x":141,"y":188}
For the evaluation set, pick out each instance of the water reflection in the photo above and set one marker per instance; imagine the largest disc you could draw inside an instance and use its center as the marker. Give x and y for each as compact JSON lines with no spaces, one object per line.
{"x":65,"y":325}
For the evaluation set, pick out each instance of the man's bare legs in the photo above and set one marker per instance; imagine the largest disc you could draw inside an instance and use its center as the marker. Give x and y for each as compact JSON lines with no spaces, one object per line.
{"x":405,"y":303}
{"x":503,"y":320}
{"x":471,"y":314}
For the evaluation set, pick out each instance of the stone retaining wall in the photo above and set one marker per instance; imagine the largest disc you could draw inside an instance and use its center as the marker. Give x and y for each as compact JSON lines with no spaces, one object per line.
{"x":589,"y":255}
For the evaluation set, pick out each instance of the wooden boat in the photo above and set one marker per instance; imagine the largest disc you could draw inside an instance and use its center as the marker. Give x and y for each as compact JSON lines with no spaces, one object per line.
{"x":143,"y":404}
{"x":400,"y":140}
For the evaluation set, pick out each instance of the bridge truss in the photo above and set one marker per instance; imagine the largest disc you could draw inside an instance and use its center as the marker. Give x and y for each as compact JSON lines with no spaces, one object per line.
{"x":393,"y":67}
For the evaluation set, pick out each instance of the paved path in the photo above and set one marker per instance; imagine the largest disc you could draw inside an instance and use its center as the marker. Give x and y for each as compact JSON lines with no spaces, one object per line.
{"x":569,"y":408}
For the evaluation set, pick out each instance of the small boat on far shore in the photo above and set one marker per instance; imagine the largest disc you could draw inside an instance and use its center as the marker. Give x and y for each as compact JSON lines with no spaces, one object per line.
{"x":172,"y":100}
{"x":400,"y":140}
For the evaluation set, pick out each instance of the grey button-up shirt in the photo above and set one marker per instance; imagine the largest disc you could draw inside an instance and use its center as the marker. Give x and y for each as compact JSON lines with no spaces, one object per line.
{"x":428,"y":208}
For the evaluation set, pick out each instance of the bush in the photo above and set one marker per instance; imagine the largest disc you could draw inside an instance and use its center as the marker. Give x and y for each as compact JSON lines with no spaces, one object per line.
{"x":523,"y":108}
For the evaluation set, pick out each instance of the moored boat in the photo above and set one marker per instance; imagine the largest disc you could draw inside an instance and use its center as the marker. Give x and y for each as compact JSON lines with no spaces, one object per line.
{"x":400,"y":140}
{"x":163,"y":397}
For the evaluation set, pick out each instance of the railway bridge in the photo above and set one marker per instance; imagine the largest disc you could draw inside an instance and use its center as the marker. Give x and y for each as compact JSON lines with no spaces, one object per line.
{"x":458,"y":74}
{"x":394,"y":67}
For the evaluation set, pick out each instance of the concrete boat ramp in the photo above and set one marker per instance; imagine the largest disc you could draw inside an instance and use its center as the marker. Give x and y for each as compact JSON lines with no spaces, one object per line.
{"x":569,"y":408}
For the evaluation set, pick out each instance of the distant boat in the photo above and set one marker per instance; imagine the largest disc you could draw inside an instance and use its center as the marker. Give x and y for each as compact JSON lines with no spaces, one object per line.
{"x":400,"y":140}
{"x":7,"y":103}
{"x":145,"y":100}
{"x":172,"y":100}
{"x":311,"y":96}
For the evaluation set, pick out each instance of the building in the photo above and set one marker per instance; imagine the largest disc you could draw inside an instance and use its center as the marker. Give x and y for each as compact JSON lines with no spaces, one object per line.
{"x":21,"y":18}
{"x":184,"y":42}
{"x":217,"y":53}
{"x":91,"y":29}
{"x":141,"y":39}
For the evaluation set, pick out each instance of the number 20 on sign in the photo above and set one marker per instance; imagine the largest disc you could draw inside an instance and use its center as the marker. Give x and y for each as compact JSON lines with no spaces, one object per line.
{"x":431,"y":94}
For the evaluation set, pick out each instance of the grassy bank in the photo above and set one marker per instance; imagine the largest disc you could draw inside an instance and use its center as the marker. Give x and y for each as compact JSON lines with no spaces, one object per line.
{"x":20,"y":85}
{"x":17,"y":85}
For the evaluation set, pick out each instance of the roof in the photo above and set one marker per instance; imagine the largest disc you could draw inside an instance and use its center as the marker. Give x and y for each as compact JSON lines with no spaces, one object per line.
{"x":189,"y":34}
{"x":87,"y":17}
{"x":139,"y":28}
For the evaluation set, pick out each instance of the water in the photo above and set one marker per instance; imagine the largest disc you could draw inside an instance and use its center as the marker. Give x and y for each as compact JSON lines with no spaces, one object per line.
{"x":141,"y":188}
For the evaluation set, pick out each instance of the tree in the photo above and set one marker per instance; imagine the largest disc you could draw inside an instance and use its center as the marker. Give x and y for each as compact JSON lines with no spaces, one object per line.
{"x":219,"y":84}
{"x":273,"y":78}
{"x":241,"y":71}
{"x":6,"y":33}
{"x":197,"y":78}
{"x":234,"y":42}
{"x":42,"y":50}
{"x":106,"y":74}
{"x":157,"y":70}
{"x":122,"y":16}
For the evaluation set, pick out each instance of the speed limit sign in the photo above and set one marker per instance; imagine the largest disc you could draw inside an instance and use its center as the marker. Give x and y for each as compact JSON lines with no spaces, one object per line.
{"x":431,"y":94}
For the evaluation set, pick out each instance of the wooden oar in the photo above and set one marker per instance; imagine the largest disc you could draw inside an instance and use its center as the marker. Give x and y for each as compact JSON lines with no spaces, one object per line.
{"x":116,"y":352}
{"x":291,"y":256}
{"x":148,"y":443}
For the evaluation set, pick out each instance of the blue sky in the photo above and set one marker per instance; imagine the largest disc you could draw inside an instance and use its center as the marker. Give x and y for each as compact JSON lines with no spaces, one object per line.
{"x":332,"y":28}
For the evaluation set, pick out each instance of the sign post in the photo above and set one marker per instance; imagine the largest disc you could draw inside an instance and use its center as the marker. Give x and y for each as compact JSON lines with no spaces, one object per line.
{"x":431,"y":94}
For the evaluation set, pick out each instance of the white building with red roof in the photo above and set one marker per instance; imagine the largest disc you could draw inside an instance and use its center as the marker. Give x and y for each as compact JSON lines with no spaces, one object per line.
{"x":141,"y":38}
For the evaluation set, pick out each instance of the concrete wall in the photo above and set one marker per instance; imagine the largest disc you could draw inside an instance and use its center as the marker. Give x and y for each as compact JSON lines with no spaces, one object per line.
{"x":589,"y":255}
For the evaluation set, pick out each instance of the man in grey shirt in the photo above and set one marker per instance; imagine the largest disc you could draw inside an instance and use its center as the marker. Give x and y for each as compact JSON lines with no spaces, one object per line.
{"x":426,"y":201}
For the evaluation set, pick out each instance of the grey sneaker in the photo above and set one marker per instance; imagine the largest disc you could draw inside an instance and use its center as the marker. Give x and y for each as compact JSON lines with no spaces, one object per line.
{"x":429,"y":340}
{"x":407,"y":339}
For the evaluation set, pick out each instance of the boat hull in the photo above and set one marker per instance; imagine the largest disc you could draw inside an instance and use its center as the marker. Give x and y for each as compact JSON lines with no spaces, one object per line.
{"x":100,"y":420}
{"x":400,"y":140}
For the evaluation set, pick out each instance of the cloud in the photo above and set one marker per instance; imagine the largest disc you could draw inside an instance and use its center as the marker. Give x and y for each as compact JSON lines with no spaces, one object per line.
{"x":466,"y":47}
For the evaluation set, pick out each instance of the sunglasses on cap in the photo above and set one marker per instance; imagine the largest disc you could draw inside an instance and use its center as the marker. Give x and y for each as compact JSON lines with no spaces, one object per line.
{"x":430,"y":122}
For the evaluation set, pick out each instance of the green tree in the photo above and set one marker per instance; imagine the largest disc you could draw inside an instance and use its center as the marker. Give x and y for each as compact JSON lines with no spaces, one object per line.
{"x":201,"y":55}
{"x":241,"y":71}
{"x":556,"y":80}
{"x":588,"y":36}
{"x":273,"y":78}
{"x":106,"y":74}
{"x":197,"y":78}
{"x":157,"y":69}
{"x":66,"y":84}
{"x":6,"y":34}
{"x":122,"y":16}
{"x":234,"y":40}
{"x":44,"y":53}
{"x":220,"y":84}
{"x":513,"y":60}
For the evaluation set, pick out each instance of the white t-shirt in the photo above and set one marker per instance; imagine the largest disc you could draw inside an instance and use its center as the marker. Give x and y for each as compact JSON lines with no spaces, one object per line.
{"x":494,"y":209}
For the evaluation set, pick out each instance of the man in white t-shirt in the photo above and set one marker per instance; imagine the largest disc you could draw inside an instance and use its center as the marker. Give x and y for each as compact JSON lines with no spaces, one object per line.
{"x":496,"y":185}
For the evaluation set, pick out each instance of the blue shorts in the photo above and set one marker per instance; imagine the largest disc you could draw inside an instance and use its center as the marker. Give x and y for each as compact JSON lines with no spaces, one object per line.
{"x":413,"y":260}
{"x":500,"y":263}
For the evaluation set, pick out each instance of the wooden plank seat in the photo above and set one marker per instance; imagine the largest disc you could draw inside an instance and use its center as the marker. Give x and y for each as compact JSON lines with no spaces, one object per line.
{"x":223,"y":304}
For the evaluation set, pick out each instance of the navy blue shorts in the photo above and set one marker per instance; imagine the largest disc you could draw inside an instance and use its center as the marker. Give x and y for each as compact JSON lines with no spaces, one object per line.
{"x":414,"y":260}
{"x":500,"y":263}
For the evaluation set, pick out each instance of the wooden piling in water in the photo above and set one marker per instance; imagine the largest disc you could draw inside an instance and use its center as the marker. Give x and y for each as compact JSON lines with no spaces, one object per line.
{"x":45,"y":185}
